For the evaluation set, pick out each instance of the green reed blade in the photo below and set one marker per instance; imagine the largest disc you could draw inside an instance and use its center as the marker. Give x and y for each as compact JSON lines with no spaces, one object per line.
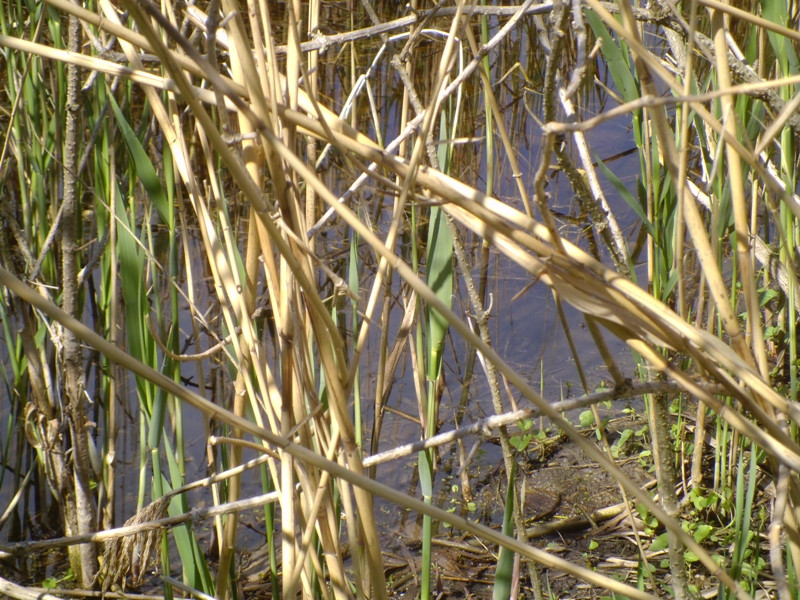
{"x":440,"y":280}
{"x":195,"y":569}
{"x":144,"y":167}
{"x":626,"y":195}
{"x":193,"y":562}
{"x":503,"y":579}
{"x":426,"y":476}
{"x":439,"y":264}
{"x":743,"y":506}
{"x":616,"y":58}
{"x":785,"y":54}
{"x":132,"y":267}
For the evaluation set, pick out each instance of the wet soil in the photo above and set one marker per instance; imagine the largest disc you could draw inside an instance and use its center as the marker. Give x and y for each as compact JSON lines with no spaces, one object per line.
{"x":572,"y":508}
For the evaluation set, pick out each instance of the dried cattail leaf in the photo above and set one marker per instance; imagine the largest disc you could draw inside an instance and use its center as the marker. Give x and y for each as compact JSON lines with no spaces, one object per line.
{"x":133,"y":554}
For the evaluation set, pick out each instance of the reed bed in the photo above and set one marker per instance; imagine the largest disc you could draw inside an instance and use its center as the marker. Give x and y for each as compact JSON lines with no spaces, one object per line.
{"x":233,"y":219}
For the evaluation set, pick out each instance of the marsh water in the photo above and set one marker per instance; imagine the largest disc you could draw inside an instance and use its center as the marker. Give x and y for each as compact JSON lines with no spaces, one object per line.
{"x":524,"y":323}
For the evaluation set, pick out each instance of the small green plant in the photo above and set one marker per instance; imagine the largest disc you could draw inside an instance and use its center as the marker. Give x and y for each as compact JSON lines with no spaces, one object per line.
{"x":521,"y":440}
{"x":619,"y":445}
{"x":703,"y":500}
{"x":53,"y":582}
{"x":649,"y":521}
{"x":455,"y":502}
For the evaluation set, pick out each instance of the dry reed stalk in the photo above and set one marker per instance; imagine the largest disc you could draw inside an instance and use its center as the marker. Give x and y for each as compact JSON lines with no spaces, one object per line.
{"x":275,"y":108}
{"x":388,"y":161}
{"x":115,"y":354}
{"x":466,"y":331}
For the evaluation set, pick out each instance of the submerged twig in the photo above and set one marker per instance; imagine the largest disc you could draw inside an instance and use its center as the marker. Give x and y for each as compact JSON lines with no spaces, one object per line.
{"x":486,"y":426}
{"x":324,"y":42}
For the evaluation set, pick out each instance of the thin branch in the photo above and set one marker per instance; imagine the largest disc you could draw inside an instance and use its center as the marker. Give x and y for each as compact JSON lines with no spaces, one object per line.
{"x":487,"y":426}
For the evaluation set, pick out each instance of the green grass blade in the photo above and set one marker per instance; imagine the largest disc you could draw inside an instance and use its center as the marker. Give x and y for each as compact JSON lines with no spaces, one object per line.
{"x":439,"y":261}
{"x":195,"y":569}
{"x":616,"y":59}
{"x":144,"y":168}
{"x":503,"y":579}
{"x":440,"y":280}
{"x":626,"y":195}
{"x":426,"y":487}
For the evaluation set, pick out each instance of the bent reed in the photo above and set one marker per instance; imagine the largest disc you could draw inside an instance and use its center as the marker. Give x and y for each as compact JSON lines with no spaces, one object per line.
{"x":215,"y":214}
